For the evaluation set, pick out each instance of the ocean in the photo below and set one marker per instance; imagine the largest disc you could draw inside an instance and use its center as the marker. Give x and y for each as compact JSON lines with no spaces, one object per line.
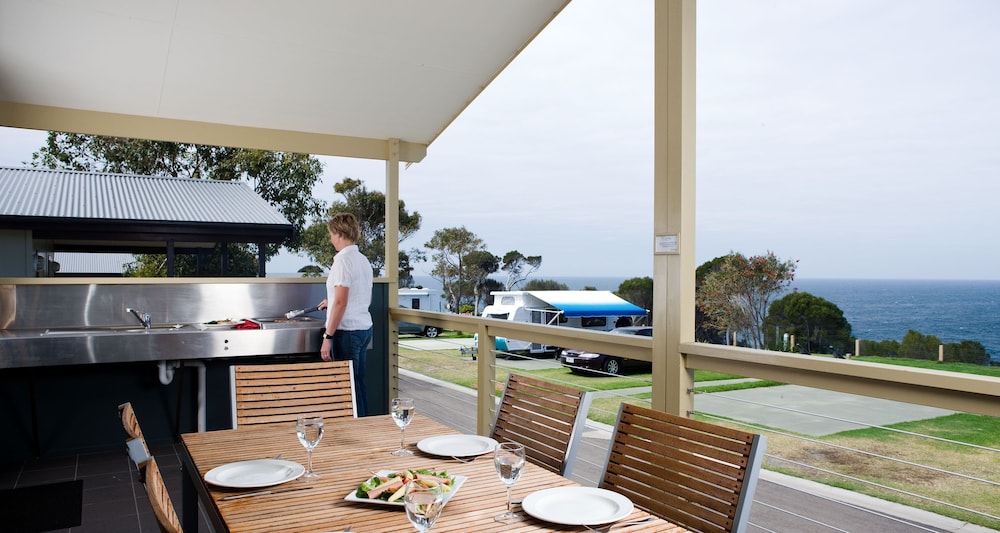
{"x":878,"y":310}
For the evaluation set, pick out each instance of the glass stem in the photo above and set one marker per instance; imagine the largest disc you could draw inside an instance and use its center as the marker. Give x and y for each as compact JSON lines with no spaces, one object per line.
{"x":509,"y":487}
{"x":402,"y":435}
{"x":309,"y":458}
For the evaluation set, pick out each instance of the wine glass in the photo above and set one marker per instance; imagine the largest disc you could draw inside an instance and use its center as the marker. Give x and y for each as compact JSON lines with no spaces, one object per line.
{"x":423,"y":505}
{"x":508,"y":457}
{"x":310,"y":431}
{"x":402,"y":413}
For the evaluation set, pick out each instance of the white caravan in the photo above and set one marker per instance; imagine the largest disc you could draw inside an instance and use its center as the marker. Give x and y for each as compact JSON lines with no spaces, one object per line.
{"x":426,"y":299}
{"x":592,"y":310}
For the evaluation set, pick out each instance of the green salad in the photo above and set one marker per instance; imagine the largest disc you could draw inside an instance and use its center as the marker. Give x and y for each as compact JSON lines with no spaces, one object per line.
{"x":390,"y":486}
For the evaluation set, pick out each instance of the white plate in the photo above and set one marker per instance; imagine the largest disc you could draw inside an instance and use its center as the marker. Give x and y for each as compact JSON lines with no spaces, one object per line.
{"x":457,"y":445}
{"x":577,"y":506}
{"x":255,"y":473}
{"x":353,"y":496}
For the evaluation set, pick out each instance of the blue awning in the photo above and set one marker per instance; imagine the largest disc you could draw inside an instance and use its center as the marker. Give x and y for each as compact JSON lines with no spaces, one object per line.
{"x":588,"y":303}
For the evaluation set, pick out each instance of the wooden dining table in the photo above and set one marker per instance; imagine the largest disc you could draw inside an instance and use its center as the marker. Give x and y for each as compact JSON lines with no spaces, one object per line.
{"x":350,"y":451}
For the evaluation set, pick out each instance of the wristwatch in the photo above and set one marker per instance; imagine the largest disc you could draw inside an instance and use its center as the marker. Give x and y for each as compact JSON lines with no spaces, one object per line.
{"x":327,"y":335}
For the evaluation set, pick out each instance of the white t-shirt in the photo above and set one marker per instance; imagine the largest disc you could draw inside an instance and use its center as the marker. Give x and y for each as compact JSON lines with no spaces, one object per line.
{"x":351,"y":269}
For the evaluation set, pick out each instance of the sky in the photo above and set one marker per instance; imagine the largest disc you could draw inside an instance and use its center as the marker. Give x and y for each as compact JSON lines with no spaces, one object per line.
{"x":859,"y":138}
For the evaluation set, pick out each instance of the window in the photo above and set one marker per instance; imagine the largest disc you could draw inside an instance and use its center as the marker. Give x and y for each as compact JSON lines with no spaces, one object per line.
{"x":594,"y":321}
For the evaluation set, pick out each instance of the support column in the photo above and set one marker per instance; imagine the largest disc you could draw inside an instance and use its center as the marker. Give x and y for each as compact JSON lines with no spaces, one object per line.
{"x":392,"y":256}
{"x":673,"y":204}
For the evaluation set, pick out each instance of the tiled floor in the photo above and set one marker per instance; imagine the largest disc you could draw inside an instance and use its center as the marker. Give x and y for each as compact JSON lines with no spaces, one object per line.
{"x":113,"y":498}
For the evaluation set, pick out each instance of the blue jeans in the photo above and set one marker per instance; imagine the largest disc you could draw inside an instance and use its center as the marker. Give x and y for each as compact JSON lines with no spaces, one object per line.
{"x":352,"y":345}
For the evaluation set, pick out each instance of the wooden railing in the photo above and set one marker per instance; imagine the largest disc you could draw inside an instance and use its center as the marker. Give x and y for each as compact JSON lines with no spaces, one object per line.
{"x":946,"y":390}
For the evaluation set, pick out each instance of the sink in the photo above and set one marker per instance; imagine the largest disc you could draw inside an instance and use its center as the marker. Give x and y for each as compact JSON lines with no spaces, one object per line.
{"x":91,"y":330}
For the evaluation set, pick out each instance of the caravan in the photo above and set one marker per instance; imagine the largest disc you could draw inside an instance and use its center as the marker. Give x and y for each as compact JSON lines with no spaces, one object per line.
{"x":426,"y":299}
{"x":591,"y":310}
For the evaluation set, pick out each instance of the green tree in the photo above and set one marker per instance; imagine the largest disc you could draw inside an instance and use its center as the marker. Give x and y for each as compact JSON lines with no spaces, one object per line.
{"x":485,"y":291}
{"x":452,"y":247}
{"x":518,"y":267}
{"x":369,"y":207}
{"x":818,"y":324}
{"x":639,"y":291}
{"x":966,"y":352}
{"x":737,"y":296}
{"x":545,"y":285}
{"x":283,"y":179}
{"x":480,"y":265}
{"x":705,"y":329}
{"x":916,"y":345}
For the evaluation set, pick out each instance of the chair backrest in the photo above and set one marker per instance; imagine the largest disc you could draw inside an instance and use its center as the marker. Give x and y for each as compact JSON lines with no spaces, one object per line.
{"x":149,"y":472}
{"x":695,"y":474}
{"x":266,"y":394}
{"x":547,"y":418}
{"x":136,"y":444}
{"x":159,"y":498}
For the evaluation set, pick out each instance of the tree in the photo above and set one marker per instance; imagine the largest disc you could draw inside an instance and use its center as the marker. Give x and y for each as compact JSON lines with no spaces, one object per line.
{"x":916,"y":345}
{"x":515,"y":263}
{"x":639,"y":291}
{"x":704,"y":329}
{"x":545,"y":285}
{"x":452,"y":247}
{"x":369,"y":207}
{"x":736,"y":297}
{"x":485,"y":291}
{"x":283,"y":179}
{"x":480,"y":265}
{"x":817,"y":323}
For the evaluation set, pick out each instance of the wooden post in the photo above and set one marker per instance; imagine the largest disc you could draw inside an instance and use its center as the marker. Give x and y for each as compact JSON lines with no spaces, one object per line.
{"x":940,"y":353}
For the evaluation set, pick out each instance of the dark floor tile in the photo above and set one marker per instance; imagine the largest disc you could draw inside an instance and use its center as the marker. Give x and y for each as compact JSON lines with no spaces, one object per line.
{"x":100,"y":463}
{"x":40,"y":476}
{"x":50,"y":463}
{"x":106,"y":479}
{"x":113,"y":524}
{"x":110,"y":493}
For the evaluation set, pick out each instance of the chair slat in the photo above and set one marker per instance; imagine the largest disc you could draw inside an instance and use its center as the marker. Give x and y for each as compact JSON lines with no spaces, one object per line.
{"x":696,"y":474}
{"x":268,"y":394}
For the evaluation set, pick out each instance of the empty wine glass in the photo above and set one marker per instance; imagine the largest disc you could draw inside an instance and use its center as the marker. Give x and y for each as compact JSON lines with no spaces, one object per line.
{"x":402,"y":413}
{"x":508,"y":457}
{"x":423,"y":505}
{"x":310,"y":431}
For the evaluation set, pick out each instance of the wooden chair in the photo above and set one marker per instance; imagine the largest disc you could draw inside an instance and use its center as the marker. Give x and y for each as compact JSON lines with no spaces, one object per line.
{"x":547,"y":418}
{"x":266,"y":394}
{"x":149,"y":472}
{"x":695,"y":474}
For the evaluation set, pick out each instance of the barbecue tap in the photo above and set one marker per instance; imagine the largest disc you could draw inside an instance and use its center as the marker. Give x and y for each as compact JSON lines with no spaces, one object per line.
{"x":145,"y":319}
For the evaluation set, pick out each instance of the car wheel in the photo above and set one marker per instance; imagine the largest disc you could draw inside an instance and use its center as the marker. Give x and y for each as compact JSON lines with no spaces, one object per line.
{"x":612,"y":366}
{"x":430,"y":332}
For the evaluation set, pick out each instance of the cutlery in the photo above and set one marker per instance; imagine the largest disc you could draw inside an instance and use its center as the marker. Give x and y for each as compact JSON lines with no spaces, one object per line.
{"x":626,"y":523}
{"x":261,"y":493}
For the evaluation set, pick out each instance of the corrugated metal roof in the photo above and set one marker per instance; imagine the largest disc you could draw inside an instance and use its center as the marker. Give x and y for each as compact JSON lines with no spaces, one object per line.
{"x":34,"y":192}
{"x":83,"y":263}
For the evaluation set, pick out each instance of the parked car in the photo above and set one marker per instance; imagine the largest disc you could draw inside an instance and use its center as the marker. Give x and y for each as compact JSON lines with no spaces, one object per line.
{"x":409,"y":328}
{"x":580,"y":361}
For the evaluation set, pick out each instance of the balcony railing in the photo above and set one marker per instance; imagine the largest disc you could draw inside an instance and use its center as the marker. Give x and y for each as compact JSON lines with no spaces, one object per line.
{"x":956,"y":392}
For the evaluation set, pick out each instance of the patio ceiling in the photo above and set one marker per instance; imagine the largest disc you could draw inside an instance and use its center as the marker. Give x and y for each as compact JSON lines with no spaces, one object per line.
{"x":325,"y":77}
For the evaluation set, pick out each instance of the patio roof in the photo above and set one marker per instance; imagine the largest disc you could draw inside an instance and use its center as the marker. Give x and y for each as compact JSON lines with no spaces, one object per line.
{"x":325,"y":77}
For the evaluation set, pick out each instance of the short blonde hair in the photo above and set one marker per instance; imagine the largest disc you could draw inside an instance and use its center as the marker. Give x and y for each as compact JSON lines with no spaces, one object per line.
{"x":345,"y":225}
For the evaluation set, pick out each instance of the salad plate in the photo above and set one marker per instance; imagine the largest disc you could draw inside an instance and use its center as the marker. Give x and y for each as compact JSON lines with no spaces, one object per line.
{"x":457,"y":445}
{"x":254,"y":473}
{"x":456,"y":483}
{"x":577,"y":506}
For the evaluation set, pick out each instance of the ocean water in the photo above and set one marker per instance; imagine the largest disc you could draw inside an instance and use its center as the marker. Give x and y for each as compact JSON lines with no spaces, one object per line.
{"x":878,"y":310}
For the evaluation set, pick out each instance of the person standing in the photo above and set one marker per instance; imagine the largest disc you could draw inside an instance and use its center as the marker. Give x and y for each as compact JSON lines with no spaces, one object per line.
{"x":348,"y":329}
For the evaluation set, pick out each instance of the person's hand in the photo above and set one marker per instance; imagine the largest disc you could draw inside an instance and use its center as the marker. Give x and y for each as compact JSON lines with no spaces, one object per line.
{"x":322,"y":305}
{"x":325,"y":351}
